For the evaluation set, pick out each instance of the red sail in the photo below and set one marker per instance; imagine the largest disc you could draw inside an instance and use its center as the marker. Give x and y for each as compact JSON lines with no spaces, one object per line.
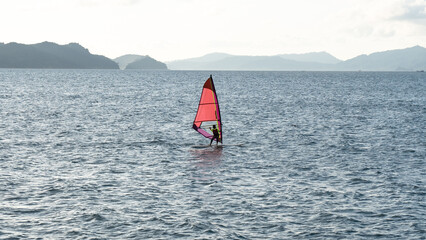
{"x":208,"y":113}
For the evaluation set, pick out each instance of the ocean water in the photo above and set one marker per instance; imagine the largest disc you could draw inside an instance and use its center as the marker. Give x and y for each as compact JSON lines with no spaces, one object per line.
{"x":100,"y":154}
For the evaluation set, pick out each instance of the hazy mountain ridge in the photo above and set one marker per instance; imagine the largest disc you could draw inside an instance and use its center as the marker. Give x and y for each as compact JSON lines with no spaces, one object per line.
{"x":73,"y":55}
{"x":409,"y":59}
{"x":51,"y":55}
{"x":124,"y":60}
{"x":223,"y":61}
{"x":317,"y":57}
{"x":132,"y":61}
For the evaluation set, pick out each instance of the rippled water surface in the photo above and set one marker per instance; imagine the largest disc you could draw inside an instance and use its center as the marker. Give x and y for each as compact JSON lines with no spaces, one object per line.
{"x":89,"y":154}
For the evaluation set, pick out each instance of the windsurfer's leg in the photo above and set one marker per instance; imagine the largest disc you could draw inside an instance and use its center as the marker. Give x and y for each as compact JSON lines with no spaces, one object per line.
{"x":211,"y":142}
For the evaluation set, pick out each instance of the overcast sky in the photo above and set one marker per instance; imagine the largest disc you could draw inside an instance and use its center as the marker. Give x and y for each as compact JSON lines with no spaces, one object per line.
{"x":178,"y":29}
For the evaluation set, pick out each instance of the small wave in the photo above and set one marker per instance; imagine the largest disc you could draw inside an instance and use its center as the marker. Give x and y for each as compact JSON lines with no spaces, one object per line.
{"x":27,"y":210}
{"x":93,"y":217}
{"x":355,"y":181}
{"x":53,"y":191}
{"x":73,"y":96}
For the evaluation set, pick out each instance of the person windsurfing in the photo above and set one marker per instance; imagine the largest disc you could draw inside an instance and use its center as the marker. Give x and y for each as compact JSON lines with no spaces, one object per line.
{"x":215,"y":135}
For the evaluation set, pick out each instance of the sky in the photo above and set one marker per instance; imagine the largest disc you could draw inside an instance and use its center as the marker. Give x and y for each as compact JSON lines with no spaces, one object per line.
{"x":178,"y":29}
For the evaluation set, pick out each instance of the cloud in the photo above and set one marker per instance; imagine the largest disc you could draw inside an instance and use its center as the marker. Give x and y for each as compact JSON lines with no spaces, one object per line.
{"x":97,"y":3}
{"x":412,"y":11}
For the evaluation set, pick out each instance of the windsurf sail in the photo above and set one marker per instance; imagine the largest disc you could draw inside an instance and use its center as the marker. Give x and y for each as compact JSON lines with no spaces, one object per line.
{"x":208,"y":113}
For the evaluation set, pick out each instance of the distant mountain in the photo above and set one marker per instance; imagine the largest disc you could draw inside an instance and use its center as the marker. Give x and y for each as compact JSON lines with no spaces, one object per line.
{"x":73,"y":55}
{"x":285,"y":62}
{"x":205,"y":62}
{"x":124,"y":60}
{"x":210,"y":57}
{"x":51,"y":55}
{"x":132,"y":61}
{"x":410,"y":59}
{"x":317,"y":57}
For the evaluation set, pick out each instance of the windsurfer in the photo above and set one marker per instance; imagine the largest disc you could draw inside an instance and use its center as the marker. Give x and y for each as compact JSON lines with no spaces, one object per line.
{"x":215,"y":135}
